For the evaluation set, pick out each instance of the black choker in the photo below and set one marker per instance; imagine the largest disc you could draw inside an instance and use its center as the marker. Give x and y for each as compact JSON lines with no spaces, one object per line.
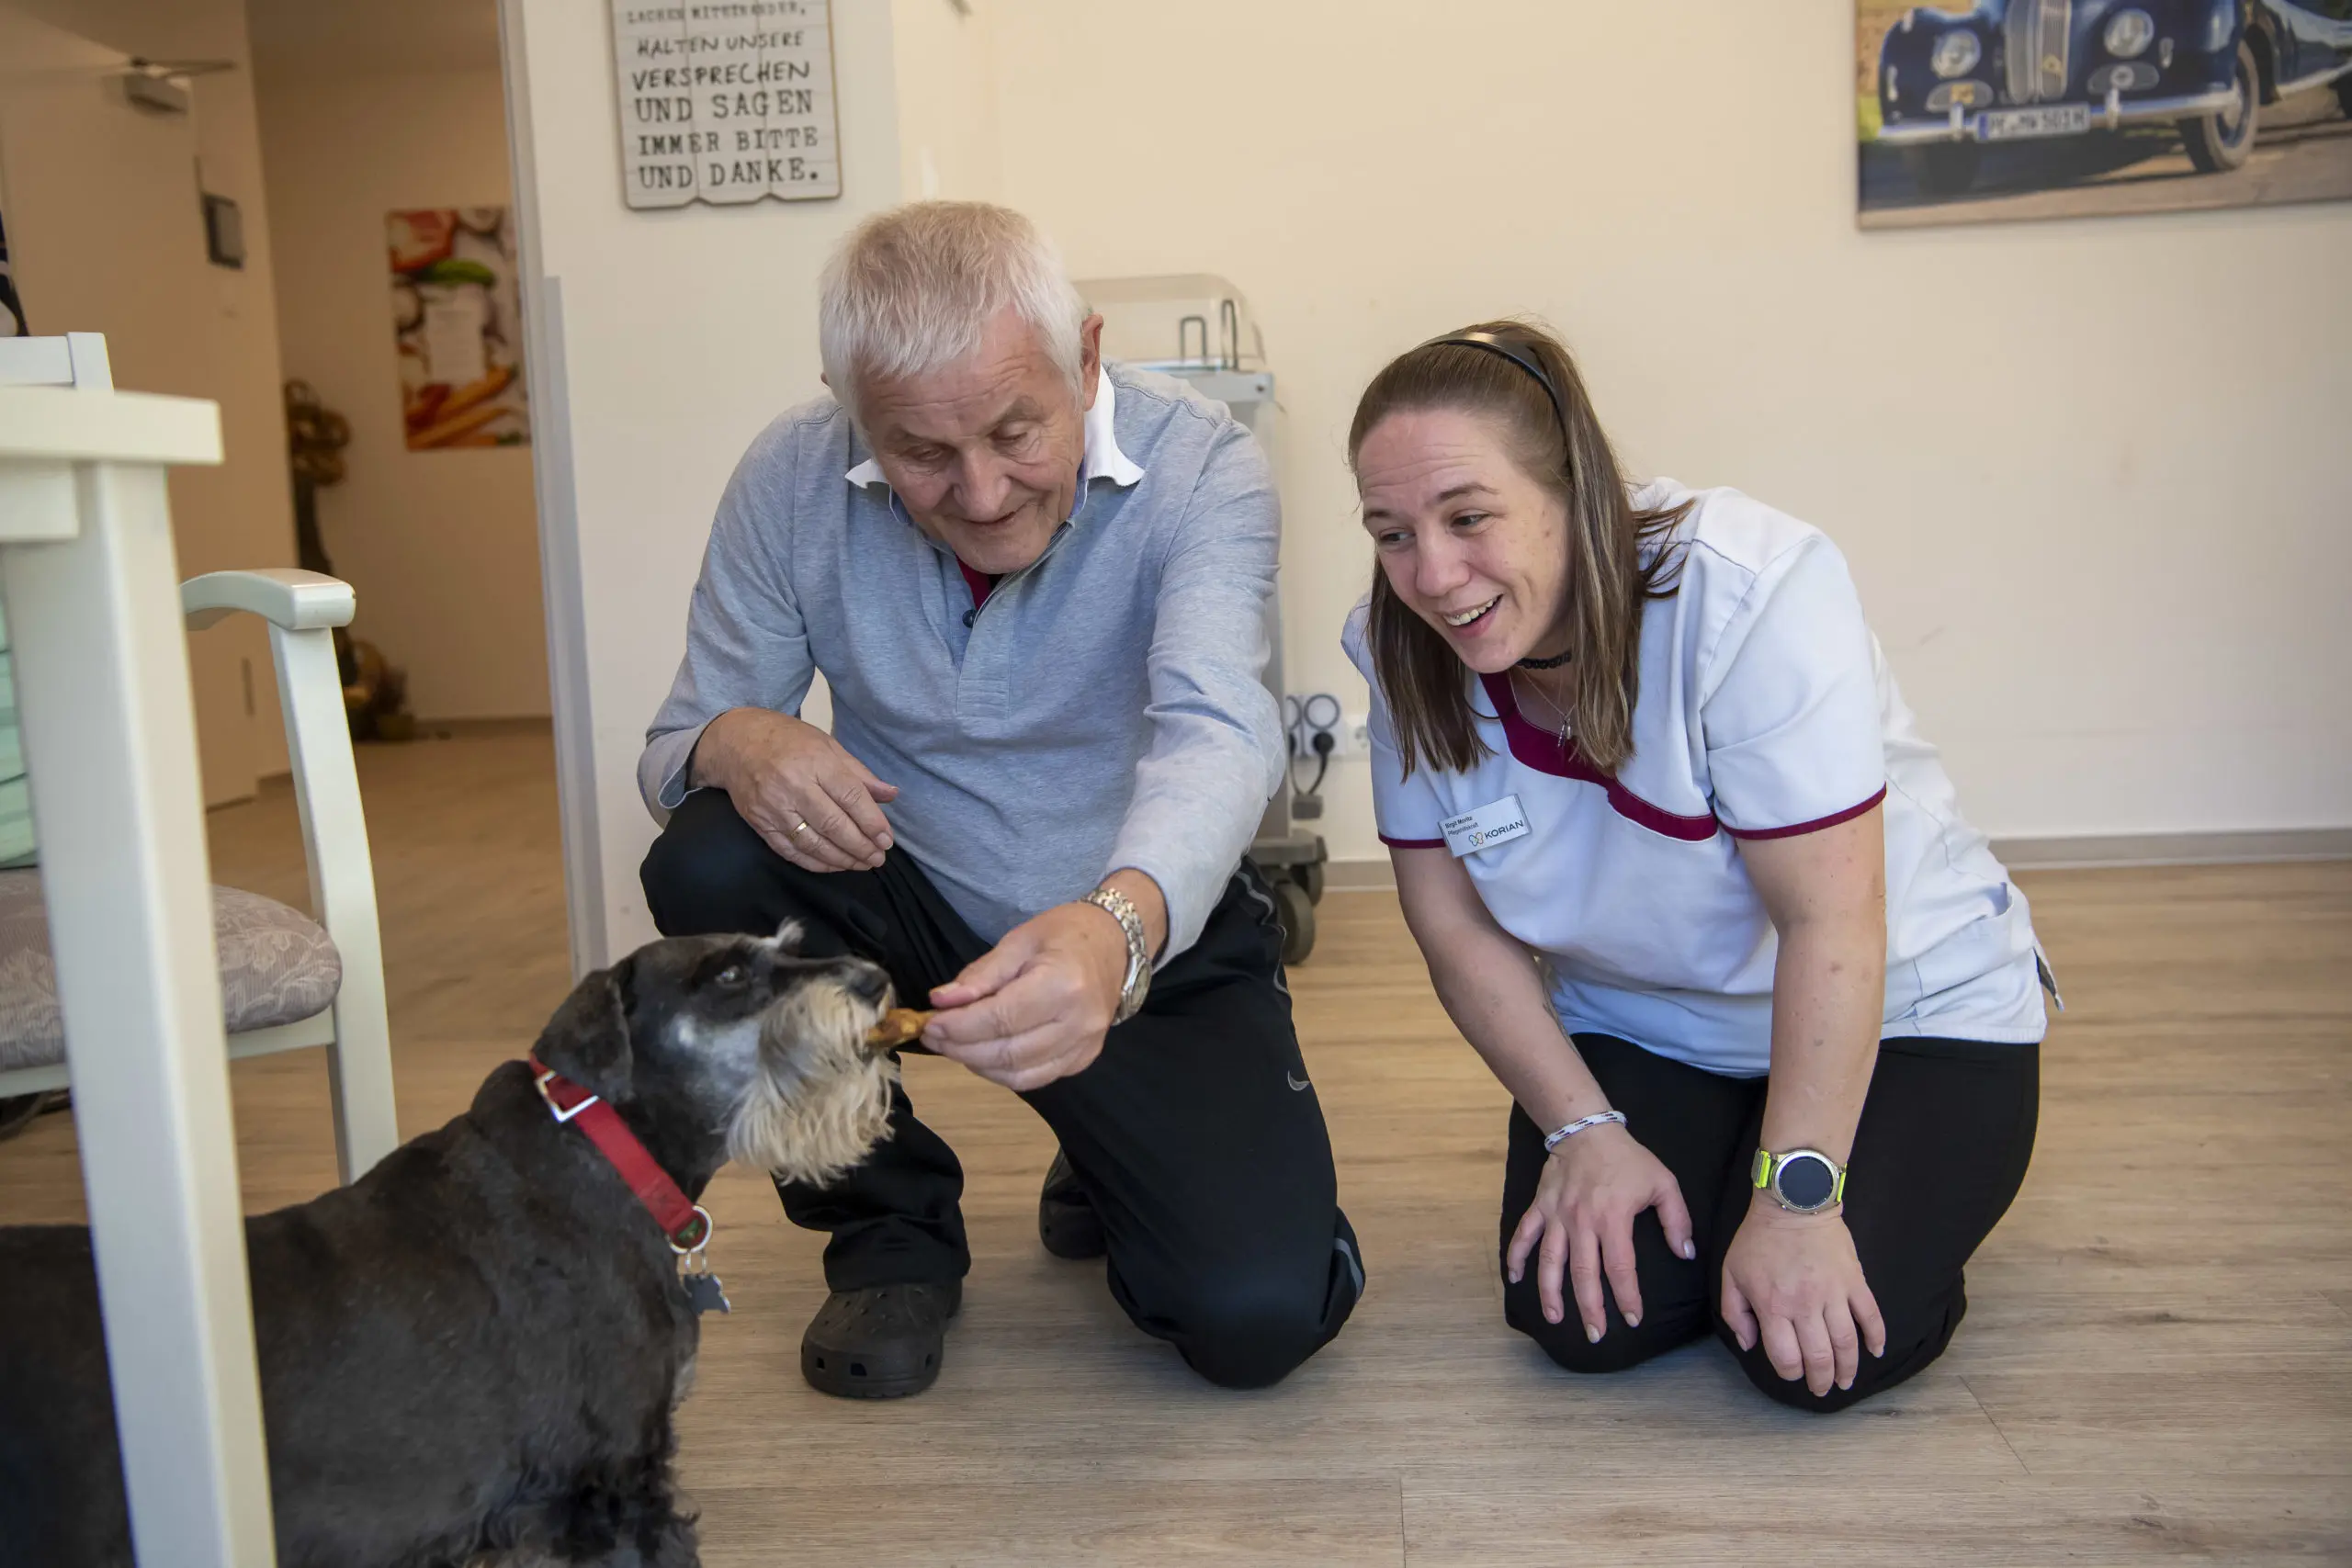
{"x":1553,"y":663}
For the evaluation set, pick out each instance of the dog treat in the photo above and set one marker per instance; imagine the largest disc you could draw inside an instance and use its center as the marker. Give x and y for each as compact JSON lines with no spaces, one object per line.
{"x":899,"y":1027}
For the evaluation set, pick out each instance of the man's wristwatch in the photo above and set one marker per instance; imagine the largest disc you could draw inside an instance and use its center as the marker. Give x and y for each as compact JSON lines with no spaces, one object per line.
{"x":1137,"y":985}
{"x":1802,"y":1181}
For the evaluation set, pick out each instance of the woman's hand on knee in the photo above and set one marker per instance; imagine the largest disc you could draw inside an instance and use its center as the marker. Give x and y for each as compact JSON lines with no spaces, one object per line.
{"x":1793,"y":1283}
{"x":1581,"y":1225}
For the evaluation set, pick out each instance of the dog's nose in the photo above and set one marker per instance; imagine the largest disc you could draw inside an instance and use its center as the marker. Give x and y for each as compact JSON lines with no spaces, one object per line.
{"x":868,"y":983}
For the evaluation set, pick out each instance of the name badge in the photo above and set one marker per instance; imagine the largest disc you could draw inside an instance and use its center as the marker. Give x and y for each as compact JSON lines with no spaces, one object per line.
{"x":1498,"y":823}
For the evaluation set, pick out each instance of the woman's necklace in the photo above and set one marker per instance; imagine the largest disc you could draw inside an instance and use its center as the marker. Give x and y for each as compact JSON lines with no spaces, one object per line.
{"x":1563,"y":729}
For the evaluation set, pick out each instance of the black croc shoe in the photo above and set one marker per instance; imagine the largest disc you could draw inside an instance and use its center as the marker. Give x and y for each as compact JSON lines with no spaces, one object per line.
{"x":1066,"y":1222}
{"x":883,"y":1342}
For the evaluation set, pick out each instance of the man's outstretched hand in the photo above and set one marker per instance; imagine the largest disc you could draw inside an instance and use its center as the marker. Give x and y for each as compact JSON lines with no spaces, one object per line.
{"x":1036,"y":1006}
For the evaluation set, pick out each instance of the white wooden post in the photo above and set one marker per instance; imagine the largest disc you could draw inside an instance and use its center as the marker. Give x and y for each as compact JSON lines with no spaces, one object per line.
{"x":102,"y":681}
{"x":343,"y":891}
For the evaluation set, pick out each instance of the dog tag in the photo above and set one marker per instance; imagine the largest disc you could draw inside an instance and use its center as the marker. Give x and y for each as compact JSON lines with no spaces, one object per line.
{"x":704,"y":1293}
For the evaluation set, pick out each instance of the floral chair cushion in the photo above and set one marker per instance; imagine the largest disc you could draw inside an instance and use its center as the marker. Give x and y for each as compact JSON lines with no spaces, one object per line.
{"x":277,"y":966}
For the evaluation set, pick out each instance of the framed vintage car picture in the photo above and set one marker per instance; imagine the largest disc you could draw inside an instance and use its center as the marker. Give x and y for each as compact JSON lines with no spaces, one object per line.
{"x":2057,"y":109}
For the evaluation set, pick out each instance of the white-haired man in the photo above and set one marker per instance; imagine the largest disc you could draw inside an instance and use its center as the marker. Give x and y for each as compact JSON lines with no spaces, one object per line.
{"x":1035,"y":585}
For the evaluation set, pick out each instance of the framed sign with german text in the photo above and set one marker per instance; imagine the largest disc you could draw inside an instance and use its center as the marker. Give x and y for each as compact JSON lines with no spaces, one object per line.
{"x":726,"y":101}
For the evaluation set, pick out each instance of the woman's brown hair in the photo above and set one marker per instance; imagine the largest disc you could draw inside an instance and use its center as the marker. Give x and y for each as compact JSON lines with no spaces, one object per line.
{"x":1563,"y":448}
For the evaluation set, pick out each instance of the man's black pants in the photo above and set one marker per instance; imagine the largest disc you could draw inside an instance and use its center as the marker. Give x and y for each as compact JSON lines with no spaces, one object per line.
{"x":1195,"y":1132}
{"x":1941,"y":1148}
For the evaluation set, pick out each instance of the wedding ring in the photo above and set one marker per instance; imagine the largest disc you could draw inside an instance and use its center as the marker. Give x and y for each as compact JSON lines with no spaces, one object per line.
{"x":803,"y":827}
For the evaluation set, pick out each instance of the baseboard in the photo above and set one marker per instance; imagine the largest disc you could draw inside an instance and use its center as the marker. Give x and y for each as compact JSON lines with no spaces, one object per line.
{"x":467,"y":728}
{"x":1359,"y":875}
{"x":2055,"y":853}
{"x":2174,"y":849}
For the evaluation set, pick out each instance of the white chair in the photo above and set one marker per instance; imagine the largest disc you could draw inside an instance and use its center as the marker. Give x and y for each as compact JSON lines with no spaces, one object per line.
{"x":287,"y":982}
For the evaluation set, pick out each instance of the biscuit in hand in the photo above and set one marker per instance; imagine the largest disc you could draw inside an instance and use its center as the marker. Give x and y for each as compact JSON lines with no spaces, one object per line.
{"x":900,"y":1026}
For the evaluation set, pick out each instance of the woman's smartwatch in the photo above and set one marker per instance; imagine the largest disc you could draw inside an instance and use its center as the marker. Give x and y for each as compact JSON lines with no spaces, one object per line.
{"x":1802,"y":1181}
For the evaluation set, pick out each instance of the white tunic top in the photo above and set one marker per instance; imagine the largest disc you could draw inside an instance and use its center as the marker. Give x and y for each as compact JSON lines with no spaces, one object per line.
{"x":1766,"y":709}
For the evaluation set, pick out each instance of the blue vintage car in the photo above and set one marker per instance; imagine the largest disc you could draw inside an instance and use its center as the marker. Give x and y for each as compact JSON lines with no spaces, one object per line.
{"x":1949,"y":82}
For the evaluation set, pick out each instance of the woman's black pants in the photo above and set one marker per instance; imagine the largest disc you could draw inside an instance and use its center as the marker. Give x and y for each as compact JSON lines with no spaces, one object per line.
{"x":1941,"y":1151}
{"x":1195,"y":1132}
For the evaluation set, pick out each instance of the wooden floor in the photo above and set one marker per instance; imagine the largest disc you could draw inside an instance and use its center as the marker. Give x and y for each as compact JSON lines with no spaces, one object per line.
{"x":2156,"y":1365}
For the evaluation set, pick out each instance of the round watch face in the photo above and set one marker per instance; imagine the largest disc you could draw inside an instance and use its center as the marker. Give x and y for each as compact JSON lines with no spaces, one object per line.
{"x":1805,"y":1181}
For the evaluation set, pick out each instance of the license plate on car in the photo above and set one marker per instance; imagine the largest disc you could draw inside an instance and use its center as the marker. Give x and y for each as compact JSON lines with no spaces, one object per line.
{"x":2049,"y":119}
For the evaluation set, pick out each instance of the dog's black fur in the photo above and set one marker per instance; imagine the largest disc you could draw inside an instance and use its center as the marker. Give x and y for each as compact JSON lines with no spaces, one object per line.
{"x":473,"y":1352}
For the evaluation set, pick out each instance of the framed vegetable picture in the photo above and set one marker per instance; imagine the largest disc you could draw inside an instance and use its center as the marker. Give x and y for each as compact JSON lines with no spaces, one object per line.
{"x":1979,"y":110}
{"x":458,"y":324}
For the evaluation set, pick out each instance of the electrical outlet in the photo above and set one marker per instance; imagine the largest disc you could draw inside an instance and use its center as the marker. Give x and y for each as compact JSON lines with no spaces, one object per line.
{"x":1313,"y":713}
{"x":1348,"y":736}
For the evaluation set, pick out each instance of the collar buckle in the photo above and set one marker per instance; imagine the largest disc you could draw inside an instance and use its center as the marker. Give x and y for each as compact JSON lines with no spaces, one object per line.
{"x":557,"y":1111}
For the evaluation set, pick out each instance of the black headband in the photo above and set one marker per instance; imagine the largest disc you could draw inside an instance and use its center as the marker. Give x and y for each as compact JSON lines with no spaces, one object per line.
{"x":1525,"y":361}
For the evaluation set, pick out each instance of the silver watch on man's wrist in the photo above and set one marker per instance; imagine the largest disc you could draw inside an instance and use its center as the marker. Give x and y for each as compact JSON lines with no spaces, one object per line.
{"x":1137,"y":984}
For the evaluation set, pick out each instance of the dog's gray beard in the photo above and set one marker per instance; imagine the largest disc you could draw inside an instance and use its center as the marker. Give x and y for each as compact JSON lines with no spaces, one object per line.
{"x":819,"y":1100}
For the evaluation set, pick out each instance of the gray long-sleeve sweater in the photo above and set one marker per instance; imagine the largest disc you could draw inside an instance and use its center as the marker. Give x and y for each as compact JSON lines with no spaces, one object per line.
{"x":1102,"y":710}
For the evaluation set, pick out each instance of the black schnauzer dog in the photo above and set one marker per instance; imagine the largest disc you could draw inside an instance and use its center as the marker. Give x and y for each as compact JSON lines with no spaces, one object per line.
{"x":472,"y":1353}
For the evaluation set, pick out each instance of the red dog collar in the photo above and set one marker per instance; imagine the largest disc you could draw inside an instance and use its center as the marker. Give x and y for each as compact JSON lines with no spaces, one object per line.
{"x":681,"y":1219}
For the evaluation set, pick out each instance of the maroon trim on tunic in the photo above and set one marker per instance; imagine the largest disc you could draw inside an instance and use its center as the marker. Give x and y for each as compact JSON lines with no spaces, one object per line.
{"x":979,"y":583}
{"x":1412,"y":843}
{"x":1545,"y":752}
{"x":1814,"y":826}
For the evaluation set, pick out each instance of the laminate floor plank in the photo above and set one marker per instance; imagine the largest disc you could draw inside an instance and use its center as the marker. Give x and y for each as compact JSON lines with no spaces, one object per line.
{"x":1772,"y":1517}
{"x":1242,"y":1524}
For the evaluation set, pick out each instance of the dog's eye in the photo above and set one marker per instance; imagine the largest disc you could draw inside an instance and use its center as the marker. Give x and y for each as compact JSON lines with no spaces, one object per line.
{"x":731,"y":976}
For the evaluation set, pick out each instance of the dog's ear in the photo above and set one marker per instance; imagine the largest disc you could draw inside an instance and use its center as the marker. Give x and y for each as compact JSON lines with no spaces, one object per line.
{"x":587,"y":1040}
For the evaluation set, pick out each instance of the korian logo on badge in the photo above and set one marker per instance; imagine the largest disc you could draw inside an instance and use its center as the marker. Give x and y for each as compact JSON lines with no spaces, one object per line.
{"x":1497,"y":823}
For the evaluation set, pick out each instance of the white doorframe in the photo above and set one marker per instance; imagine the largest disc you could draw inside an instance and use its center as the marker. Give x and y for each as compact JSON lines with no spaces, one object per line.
{"x":551,"y":467}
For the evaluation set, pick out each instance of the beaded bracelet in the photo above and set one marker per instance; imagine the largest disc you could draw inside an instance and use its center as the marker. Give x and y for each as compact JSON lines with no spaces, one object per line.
{"x":1555,"y":1140}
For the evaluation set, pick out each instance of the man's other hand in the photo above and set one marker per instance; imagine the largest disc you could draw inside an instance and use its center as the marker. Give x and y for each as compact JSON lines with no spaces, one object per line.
{"x":812,"y":802}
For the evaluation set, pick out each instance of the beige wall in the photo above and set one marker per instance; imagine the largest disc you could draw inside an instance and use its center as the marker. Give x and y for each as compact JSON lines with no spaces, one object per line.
{"x":683,"y":333}
{"x":2090,"y":474}
{"x":442,"y":547}
{"x":944,"y":56}
{"x":104,"y":236}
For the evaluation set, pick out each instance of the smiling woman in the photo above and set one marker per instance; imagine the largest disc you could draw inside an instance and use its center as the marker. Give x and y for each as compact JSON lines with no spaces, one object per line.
{"x":1559,"y":503}
{"x":1643,"y":735}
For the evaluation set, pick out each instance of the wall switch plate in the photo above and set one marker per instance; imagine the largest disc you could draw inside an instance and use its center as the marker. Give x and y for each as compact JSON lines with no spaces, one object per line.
{"x":224,"y":232}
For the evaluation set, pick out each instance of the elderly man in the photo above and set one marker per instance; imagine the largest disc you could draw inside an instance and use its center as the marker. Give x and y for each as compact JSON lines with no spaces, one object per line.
{"x":1036,"y":584}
